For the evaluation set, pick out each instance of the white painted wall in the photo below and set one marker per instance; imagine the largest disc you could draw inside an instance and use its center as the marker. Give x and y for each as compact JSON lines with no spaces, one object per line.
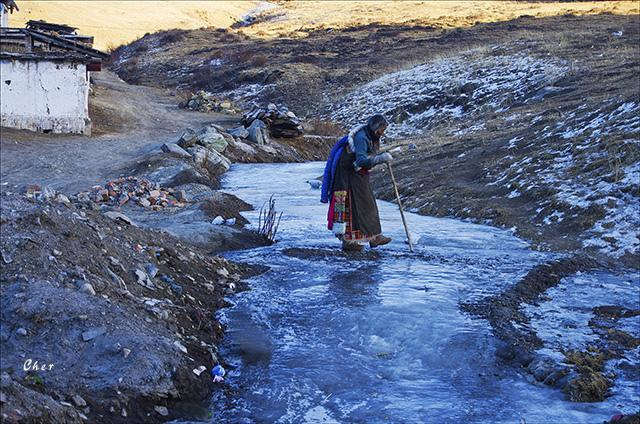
{"x":4,"y":16}
{"x":45,"y":96}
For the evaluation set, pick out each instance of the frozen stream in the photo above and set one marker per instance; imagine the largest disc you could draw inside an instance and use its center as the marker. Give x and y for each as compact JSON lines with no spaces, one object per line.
{"x":326,"y":339}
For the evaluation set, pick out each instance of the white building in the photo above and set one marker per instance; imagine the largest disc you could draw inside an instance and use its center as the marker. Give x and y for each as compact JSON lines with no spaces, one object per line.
{"x":4,"y":16}
{"x":44,"y":78}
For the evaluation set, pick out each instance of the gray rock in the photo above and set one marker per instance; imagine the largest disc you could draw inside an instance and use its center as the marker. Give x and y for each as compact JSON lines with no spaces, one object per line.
{"x":175,"y":150}
{"x":541,"y":368}
{"x":93,"y":333}
{"x":180,"y":347}
{"x":79,"y":401}
{"x":115,"y":277}
{"x":117,"y":216}
{"x":151,"y":269}
{"x":258,"y":132}
{"x":211,"y":138}
{"x":187,"y":139}
{"x":88,"y":288}
{"x":161,"y":410}
{"x":21,"y":331}
{"x":181,"y":195}
{"x":143,"y":279}
{"x":61,"y":198}
{"x":240,"y":132}
{"x":47,"y":194}
{"x":315,"y":184}
{"x":245,"y":148}
{"x":212,"y":161}
{"x":6,"y":257}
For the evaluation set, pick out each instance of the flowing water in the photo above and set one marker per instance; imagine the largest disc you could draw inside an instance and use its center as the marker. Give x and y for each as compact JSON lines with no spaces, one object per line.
{"x":380,"y":339}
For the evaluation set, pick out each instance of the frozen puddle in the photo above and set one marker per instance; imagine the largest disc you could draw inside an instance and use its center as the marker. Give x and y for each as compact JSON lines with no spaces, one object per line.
{"x":327,"y":339}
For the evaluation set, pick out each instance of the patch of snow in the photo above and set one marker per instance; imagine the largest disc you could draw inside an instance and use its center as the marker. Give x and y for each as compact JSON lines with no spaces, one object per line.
{"x":513,"y":194}
{"x":247,"y":92}
{"x":417,"y":99}
{"x":555,"y":217}
{"x":514,"y":142}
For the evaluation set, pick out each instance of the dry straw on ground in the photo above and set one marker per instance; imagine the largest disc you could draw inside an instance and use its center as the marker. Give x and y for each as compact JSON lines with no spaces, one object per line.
{"x":119,"y":22}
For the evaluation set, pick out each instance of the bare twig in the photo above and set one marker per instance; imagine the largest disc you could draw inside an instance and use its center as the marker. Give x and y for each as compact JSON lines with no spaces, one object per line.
{"x":267,"y":223}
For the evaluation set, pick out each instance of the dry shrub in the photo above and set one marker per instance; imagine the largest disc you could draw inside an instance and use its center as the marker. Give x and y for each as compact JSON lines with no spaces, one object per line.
{"x":259,"y":60}
{"x":243,"y":56}
{"x":326,"y":128}
{"x":269,"y":220}
{"x":141,"y":48}
{"x":172,"y":36}
{"x":201,"y":78}
{"x":184,"y":96}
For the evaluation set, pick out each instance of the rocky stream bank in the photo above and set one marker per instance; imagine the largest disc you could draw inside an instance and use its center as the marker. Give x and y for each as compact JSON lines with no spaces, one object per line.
{"x":109,"y":294}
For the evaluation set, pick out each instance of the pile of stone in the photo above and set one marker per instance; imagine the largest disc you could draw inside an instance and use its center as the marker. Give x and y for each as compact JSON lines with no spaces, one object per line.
{"x":212,"y":137}
{"x":205,"y":147}
{"x":280,"y":121}
{"x":44,"y":194}
{"x":204,"y":101}
{"x":138,"y":190}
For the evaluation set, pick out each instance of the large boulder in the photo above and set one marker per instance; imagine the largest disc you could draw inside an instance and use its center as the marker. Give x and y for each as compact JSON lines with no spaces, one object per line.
{"x":212,"y":161}
{"x":187,"y":139}
{"x":258,"y":132}
{"x":175,"y":150}
{"x":212,"y":139}
{"x":240,"y":132}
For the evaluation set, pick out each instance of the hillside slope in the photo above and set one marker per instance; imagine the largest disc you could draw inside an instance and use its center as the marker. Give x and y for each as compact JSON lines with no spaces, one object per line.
{"x":113,"y":23}
{"x":530,"y":123}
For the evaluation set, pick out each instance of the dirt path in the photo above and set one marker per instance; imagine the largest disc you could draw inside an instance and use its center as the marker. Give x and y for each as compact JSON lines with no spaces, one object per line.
{"x":129,"y":121}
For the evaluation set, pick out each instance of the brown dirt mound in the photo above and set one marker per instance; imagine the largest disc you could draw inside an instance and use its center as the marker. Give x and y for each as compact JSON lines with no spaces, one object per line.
{"x":123,"y":313}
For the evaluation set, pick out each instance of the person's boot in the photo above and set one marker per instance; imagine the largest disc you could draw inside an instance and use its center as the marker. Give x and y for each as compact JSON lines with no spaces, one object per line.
{"x":380,"y":240}
{"x":350,"y":246}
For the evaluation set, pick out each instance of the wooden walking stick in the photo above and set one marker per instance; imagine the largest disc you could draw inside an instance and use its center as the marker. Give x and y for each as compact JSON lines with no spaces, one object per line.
{"x":404,"y":222}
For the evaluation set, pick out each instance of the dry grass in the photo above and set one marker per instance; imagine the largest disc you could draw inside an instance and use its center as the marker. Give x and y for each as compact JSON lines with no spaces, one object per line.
{"x":325,"y":128}
{"x":304,"y":16}
{"x":114,"y":23}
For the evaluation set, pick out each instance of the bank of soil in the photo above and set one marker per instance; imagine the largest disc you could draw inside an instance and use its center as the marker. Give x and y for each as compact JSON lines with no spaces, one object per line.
{"x":554,"y":154}
{"x":581,"y":372}
{"x":117,"y":297}
{"x":124,"y":314}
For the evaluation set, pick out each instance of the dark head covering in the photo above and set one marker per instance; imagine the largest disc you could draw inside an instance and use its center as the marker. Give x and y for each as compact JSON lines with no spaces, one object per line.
{"x":376,"y":121}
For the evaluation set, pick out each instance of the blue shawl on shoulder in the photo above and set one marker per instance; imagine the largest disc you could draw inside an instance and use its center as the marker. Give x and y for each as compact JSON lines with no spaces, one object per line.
{"x":330,"y":168}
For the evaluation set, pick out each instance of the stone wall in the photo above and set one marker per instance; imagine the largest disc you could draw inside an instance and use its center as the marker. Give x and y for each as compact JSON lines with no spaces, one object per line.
{"x":42,"y":95}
